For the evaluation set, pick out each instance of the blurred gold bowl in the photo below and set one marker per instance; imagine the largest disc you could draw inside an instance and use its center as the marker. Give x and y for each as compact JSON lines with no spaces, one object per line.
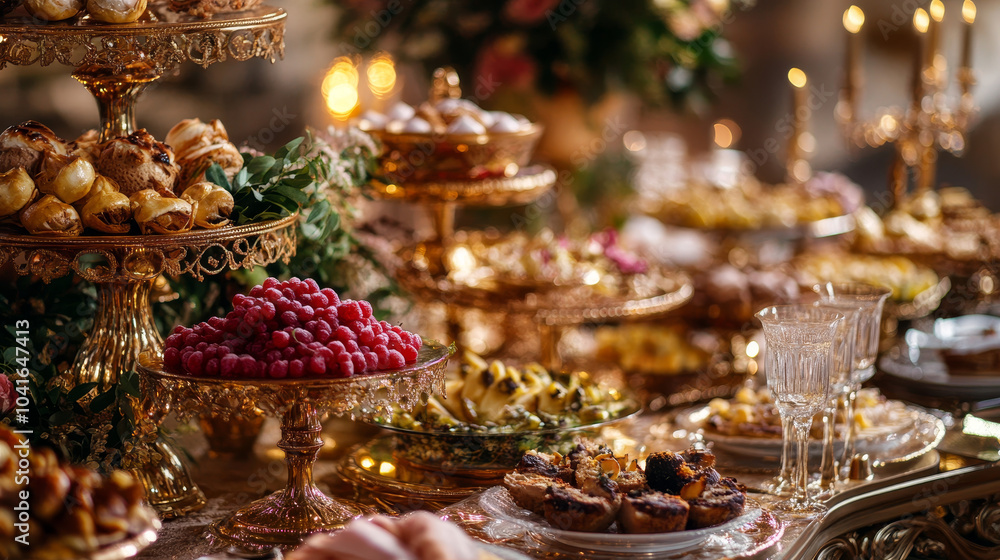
{"x":454,"y":157}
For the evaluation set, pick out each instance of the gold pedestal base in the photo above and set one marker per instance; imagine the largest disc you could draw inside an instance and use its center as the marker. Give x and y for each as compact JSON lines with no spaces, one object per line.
{"x":284,"y":520}
{"x":169,"y":488}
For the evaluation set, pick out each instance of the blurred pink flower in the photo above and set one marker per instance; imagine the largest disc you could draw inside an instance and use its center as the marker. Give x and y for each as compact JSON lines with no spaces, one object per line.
{"x":7,"y":395}
{"x":527,"y":12}
{"x":504,"y":63}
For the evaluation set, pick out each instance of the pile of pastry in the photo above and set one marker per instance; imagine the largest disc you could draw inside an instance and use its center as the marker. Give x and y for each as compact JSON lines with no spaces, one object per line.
{"x":902,"y":275}
{"x":119,"y":11}
{"x":70,"y":511}
{"x":753,"y":413}
{"x":446,"y":116}
{"x":590,"y":489}
{"x":52,"y":187}
{"x":656,"y":349}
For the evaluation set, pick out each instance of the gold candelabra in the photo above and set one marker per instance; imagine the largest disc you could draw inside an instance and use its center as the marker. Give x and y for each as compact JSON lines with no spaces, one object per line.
{"x":932,"y":121}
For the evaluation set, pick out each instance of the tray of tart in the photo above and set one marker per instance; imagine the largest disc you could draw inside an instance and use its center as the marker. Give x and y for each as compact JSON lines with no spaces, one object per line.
{"x":749,"y":425}
{"x":957,"y":357}
{"x":558,"y":279}
{"x":492,"y":412}
{"x":591,"y":499}
{"x":821,"y":207}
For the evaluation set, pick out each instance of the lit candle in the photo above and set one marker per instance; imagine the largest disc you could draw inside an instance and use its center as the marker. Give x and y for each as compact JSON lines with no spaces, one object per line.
{"x":920,"y":22}
{"x":725,"y":167}
{"x":800,"y":113}
{"x":854,"y":18}
{"x":965,"y":73}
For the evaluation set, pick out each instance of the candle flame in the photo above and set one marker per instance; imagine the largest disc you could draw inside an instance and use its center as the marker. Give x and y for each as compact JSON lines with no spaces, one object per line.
{"x":723,"y":135}
{"x":921,"y":20}
{"x":382,"y":75}
{"x":854,"y":18}
{"x":969,"y":11}
{"x":937,"y":10}
{"x":340,"y":88}
{"x":797,"y":78}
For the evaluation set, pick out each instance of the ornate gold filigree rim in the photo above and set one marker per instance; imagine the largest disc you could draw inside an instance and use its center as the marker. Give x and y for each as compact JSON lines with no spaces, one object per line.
{"x":257,"y":33}
{"x":531,"y":182}
{"x":235,"y":21}
{"x":360,"y":396}
{"x":556,"y":306}
{"x":227,"y":233}
{"x":139,"y":258}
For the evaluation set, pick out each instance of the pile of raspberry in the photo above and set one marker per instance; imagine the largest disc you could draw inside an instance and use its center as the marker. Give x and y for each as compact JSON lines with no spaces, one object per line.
{"x":290,"y":329}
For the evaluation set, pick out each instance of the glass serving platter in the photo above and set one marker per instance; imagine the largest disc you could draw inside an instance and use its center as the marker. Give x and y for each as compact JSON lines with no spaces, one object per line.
{"x":497,"y":502}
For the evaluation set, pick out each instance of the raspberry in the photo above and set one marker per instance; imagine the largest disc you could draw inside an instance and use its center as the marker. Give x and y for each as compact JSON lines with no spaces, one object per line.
{"x":312,"y":285}
{"x":280,"y":339}
{"x":288,"y":353}
{"x":221,"y":351}
{"x":356,"y":326}
{"x":303,"y":336}
{"x":366,"y":309}
{"x":171,"y":358}
{"x":409,"y":353}
{"x":228,"y":365}
{"x":358,"y":359}
{"x":305,"y":313}
{"x":324,"y":333}
{"x":326,"y":353}
{"x":345,"y":334}
{"x":270,"y":282}
{"x":290,"y":318}
{"x":216,"y":322}
{"x":284,"y":304}
{"x":296,"y":368}
{"x":346,"y":364}
{"x":382,"y":340}
{"x":337,"y":347}
{"x":416,"y":341}
{"x":256,"y":291}
{"x":191,"y":339}
{"x":317,"y":365}
{"x":179,"y":329}
{"x":371,"y":361}
{"x":211,"y":351}
{"x":318,"y":301}
{"x":230,"y":324}
{"x":311,"y":326}
{"x":395,"y":342}
{"x":174,"y":341}
{"x":272,"y":356}
{"x":395,"y":360}
{"x":382,"y":354}
{"x":331,"y":297}
{"x":211,"y":368}
{"x":245,"y":330}
{"x":349,"y":310}
{"x":272,"y":295}
{"x":366,"y":336}
{"x":351,"y":346}
{"x":193,"y":363}
{"x":247,"y":366}
{"x":268,"y":310}
{"x":278,"y":370}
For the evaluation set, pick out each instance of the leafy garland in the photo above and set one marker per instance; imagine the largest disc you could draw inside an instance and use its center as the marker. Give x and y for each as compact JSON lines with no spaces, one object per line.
{"x":316,"y":175}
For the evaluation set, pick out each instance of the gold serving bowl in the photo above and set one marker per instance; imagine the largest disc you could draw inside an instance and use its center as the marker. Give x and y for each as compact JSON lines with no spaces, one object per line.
{"x":408,"y":157}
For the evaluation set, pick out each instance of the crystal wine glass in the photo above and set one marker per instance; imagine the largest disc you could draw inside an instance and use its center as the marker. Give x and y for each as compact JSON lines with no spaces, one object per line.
{"x":844,"y":344}
{"x":797,"y":365}
{"x":868,"y":300}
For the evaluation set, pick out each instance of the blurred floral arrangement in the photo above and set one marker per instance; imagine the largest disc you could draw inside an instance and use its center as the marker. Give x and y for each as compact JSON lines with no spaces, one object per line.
{"x":326,"y":168}
{"x":661,"y":50}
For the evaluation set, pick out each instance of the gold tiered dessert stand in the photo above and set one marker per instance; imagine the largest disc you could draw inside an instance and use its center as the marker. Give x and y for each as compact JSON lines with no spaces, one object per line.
{"x":288,"y":516}
{"x":116,"y":63}
{"x":551,"y":307}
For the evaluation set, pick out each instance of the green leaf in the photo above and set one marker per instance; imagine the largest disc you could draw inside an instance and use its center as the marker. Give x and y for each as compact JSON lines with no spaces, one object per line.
{"x":216,"y":175}
{"x":291,"y":149}
{"x":61,"y":417}
{"x":260,"y":164}
{"x":290,"y":192}
{"x":319,"y":212}
{"x":103,"y":401}
{"x":76,"y":393}
{"x":240,"y":180}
